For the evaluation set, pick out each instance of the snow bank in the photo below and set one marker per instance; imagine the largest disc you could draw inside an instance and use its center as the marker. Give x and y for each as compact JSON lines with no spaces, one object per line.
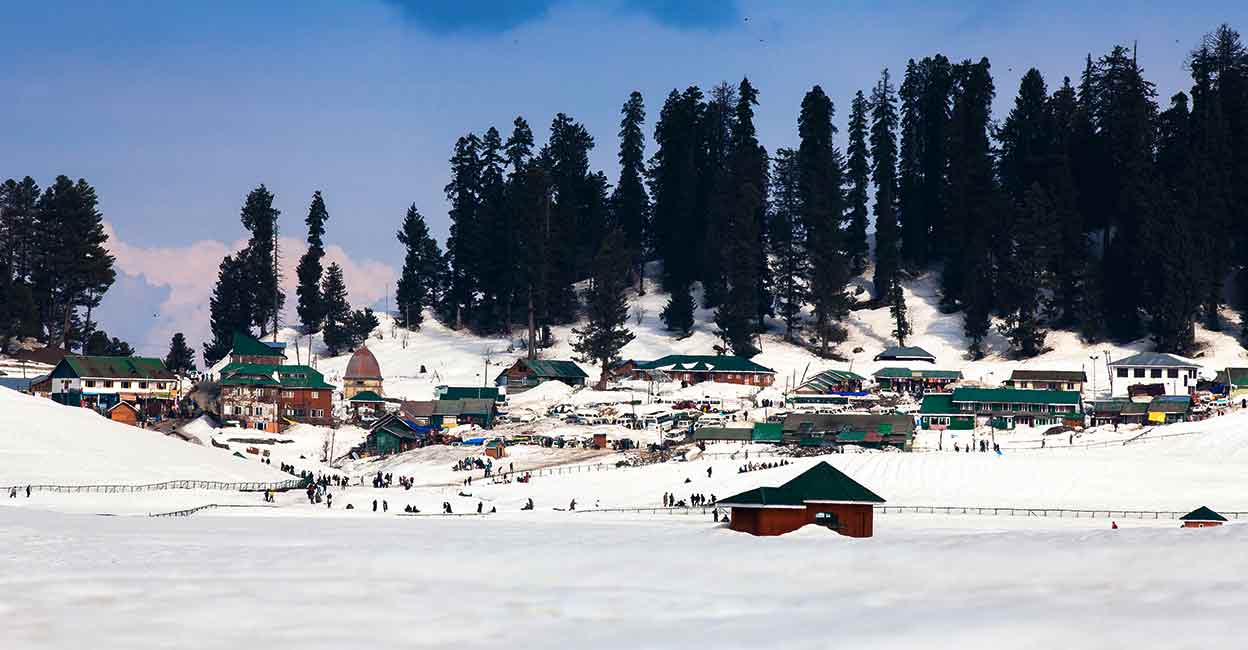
{"x":44,"y":442}
{"x":545,"y":394}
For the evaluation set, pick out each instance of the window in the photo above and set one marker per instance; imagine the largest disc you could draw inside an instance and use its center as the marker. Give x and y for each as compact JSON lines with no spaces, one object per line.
{"x":142,"y":384}
{"x":315,"y":394}
{"x":288,"y":394}
{"x":108,"y":383}
{"x":827,"y":520}
{"x":1173,"y":373}
{"x":90,"y":383}
{"x":1139,"y":372}
{"x":318,"y":413}
{"x":1122,"y":372}
{"x":1155,"y":373}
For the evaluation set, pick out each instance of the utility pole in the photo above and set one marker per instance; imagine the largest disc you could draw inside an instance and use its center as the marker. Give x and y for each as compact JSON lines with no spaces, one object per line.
{"x":277,"y":279}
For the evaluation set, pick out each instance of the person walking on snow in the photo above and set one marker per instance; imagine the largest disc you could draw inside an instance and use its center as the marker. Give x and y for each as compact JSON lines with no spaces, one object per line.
{"x":572,"y":506}
{"x":329,"y":500}
{"x":385,"y":506}
{"x":708,"y":472}
{"x":374,"y":505}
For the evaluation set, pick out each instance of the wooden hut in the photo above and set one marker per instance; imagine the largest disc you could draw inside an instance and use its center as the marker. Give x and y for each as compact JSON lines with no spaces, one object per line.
{"x":495,"y":449}
{"x":822,"y":495}
{"x":1202,"y":517}
{"x":125,"y":413}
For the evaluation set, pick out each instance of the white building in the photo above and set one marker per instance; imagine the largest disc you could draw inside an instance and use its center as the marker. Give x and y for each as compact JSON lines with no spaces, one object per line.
{"x":1176,"y":375}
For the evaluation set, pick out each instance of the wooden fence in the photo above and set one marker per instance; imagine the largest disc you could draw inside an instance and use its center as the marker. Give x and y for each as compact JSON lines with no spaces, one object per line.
{"x":279,"y":486}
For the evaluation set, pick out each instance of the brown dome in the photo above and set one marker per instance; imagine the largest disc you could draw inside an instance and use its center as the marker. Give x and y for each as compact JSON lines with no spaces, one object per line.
{"x":363,"y":365}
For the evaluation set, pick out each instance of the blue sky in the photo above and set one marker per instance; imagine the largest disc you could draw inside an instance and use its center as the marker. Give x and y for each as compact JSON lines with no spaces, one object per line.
{"x":175,"y":110}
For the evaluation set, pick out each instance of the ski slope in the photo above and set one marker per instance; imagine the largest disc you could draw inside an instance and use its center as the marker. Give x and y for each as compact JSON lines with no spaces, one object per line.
{"x":42,"y":442}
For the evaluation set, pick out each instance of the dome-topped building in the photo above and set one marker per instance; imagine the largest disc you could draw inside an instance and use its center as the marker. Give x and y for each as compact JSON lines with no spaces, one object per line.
{"x":363,"y":374}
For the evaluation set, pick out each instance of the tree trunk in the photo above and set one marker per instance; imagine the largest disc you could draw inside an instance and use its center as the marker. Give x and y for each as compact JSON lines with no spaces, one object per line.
{"x":532,"y":327}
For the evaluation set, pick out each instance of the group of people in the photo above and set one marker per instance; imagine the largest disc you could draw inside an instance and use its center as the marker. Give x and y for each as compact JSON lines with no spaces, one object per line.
{"x":980,"y":445}
{"x":469,"y":464}
{"x":750,"y":467}
{"x":13,"y":492}
{"x":696,"y":500}
{"x":317,"y":493}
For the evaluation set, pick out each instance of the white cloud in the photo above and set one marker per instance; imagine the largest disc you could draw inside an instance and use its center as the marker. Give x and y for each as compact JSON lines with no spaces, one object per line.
{"x":189,"y":272}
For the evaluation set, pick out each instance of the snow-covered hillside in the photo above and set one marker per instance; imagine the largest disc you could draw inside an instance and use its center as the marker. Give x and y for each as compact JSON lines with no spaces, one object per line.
{"x":455,"y":357}
{"x":42,"y":442}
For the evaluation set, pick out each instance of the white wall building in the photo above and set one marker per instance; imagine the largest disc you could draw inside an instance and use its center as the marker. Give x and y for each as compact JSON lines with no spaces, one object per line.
{"x":1177,"y":375}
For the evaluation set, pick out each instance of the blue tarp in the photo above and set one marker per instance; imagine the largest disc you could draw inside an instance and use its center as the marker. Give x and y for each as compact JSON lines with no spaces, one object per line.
{"x":475,"y":441}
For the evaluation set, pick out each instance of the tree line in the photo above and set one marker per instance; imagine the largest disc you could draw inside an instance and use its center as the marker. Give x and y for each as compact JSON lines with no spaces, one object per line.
{"x":1087,"y":208}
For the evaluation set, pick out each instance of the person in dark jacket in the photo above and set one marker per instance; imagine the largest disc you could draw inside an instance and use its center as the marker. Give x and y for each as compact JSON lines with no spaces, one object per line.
{"x":374,"y":505}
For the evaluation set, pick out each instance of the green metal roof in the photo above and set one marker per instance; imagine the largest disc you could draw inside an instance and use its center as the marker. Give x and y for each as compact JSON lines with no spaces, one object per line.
{"x":366,"y":396}
{"x":1016,"y":396}
{"x":906,"y":373}
{"x":116,"y":367}
{"x":1237,"y":376}
{"x":822,"y":482}
{"x":905,"y":353}
{"x":1202,"y":513}
{"x":468,"y":392}
{"x":768,"y":432}
{"x":555,"y":368}
{"x":703,"y":363}
{"x":826,"y":380}
{"x":938,"y":404}
{"x":851,"y":436}
{"x":248,"y":345}
{"x":262,"y":374}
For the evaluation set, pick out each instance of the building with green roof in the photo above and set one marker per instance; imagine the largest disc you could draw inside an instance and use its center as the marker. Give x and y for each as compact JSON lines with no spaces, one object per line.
{"x":272,"y":396}
{"x":697,"y":368}
{"x":938,"y":412}
{"x":101,"y":382}
{"x":1005,"y":408}
{"x":527,"y":373}
{"x":1202,"y":517}
{"x":828,"y":387}
{"x":905,"y":380}
{"x":822,"y":495}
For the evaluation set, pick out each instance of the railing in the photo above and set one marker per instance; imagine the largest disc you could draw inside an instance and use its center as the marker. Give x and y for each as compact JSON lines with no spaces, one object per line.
{"x":1072,"y":513}
{"x":279,"y":486}
{"x":190,"y":511}
{"x":661,"y":510}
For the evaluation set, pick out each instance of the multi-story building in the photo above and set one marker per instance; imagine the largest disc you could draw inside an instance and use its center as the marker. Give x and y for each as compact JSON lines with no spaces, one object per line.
{"x":696,"y":368}
{"x":1152,"y":373}
{"x":260,"y":392}
{"x":102,"y":382}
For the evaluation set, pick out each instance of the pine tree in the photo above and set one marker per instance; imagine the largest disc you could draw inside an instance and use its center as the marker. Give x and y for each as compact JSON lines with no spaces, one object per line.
{"x":1025,"y":280}
{"x":910,"y":183}
{"x":859,"y":176}
{"x":714,"y":200}
{"x":737,"y":316}
{"x":19,"y":203}
{"x":1069,"y":258}
{"x":262,"y":260}
{"x":360,"y":325}
{"x":310,"y":306}
{"x":673,"y":177}
{"x":1125,"y":113}
{"x":462,"y":193}
{"x":422,"y":268}
{"x":820,"y":183}
{"x":975,"y":206}
{"x":790,"y":264}
{"x":523,"y":247}
{"x":884,"y":175}
{"x":101,"y":345}
{"x":630,"y":204}
{"x":338,"y":328}
{"x":230,"y":307}
{"x":605,"y":332}
{"x":493,"y":253}
{"x":181,"y":358}
{"x":677,"y":314}
{"x":572,"y":234}
{"x":897,"y":309}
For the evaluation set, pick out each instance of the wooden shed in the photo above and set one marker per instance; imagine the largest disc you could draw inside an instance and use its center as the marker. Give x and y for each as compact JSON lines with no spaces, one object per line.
{"x":822,"y":495}
{"x":1202,"y":517}
{"x":125,"y":413}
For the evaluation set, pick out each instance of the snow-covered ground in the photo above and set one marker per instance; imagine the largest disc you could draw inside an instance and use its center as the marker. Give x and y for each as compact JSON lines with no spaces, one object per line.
{"x":562,"y":580}
{"x":42,"y":442}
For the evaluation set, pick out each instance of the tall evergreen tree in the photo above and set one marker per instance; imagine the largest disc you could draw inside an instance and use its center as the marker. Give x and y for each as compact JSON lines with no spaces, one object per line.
{"x":937,"y":98}
{"x":573,"y":233}
{"x":673,"y":176}
{"x":677,"y":314}
{"x":910,"y":186}
{"x":492,"y":253}
{"x":897,"y":309}
{"x":790,"y":264}
{"x":422,"y":268}
{"x":605,"y":332}
{"x":230,"y":307}
{"x":310,"y":307}
{"x":714,"y":200}
{"x":462,"y":192}
{"x":858,"y":173}
{"x":974,"y":205}
{"x":738,"y":315}
{"x":630,"y":204}
{"x":884,"y":175}
{"x":820,"y":183}
{"x":339,"y":328}
{"x":1025,"y":280}
{"x":181,"y":358}
{"x":262,"y":259}
{"x":19,"y":204}
{"x":1069,"y":257}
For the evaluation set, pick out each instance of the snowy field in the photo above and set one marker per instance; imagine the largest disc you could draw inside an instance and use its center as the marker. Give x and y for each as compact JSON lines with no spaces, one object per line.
{"x":561,"y":580}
